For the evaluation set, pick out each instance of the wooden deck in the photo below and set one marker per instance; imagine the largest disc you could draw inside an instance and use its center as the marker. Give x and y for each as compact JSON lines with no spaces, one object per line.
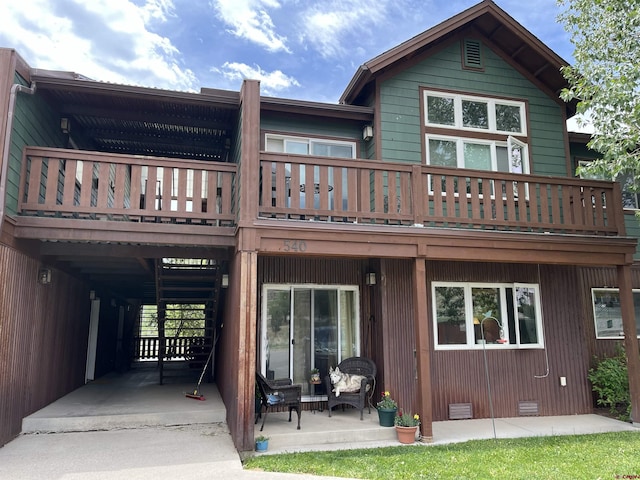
{"x":195,"y":198}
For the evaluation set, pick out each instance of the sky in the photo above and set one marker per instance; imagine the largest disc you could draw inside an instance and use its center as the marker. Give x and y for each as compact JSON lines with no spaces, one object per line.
{"x":299,"y":49}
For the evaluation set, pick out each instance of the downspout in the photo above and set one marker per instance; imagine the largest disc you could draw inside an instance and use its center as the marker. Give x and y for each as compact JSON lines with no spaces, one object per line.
{"x":15,"y":89}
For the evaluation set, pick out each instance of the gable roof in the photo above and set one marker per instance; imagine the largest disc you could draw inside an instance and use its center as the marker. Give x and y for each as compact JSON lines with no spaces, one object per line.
{"x":502,"y":33}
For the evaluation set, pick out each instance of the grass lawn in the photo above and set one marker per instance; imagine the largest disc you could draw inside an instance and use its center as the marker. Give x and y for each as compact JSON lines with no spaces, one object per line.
{"x":604,"y":455}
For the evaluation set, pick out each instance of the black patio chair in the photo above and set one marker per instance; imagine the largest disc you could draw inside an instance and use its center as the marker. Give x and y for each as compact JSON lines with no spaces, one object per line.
{"x":354,"y":365}
{"x":277,"y":393}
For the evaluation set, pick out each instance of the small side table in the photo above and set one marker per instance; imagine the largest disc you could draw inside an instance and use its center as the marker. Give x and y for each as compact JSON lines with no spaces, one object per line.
{"x":313,"y":396}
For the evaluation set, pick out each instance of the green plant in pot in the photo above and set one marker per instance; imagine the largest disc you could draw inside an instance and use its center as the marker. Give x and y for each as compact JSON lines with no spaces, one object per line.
{"x":387,"y":408}
{"x":262,"y":443}
{"x":407,"y":425}
{"x":314,"y":375}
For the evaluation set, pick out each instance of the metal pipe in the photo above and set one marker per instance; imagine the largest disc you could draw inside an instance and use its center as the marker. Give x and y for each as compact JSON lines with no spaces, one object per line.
{"x":6,"y":149}
{"x":486,"y":370}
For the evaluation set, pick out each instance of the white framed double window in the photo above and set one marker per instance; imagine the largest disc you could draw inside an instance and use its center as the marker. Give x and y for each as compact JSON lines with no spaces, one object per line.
{"x":474,"y":113}
{"x":486,"y":315}
{"x":478,"y":154}
{"x":309,"y":146}
{"x":607,"y":315}
{"x":466,"y":131}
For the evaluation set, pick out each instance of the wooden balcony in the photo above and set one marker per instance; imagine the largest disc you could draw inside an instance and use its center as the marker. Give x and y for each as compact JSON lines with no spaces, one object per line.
{"x":188,"y":196}
{"x":132,"y":192}
{"x":373,"y":192}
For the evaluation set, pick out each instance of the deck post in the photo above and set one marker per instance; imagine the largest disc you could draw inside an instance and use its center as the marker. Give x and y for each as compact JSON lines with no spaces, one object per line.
{"x":630,"y":340}
{"x":423,"y":352}
{"x":249,"y":172}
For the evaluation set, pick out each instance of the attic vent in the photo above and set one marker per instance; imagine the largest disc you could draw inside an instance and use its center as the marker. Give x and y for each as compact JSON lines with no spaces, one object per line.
{"x":472,"y":54}
{"x":528,"y":408}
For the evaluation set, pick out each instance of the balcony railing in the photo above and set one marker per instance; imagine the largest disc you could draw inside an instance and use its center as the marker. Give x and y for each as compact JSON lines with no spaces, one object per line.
{"x":91,"y":185}
{"x":371,"y":192}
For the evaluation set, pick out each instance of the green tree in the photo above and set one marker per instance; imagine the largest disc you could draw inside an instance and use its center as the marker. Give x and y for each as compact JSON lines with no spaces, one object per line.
{"x":605,"y":80}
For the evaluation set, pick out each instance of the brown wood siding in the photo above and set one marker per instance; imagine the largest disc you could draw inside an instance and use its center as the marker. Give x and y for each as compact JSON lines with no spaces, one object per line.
{"x":399,"y":333}
{"x":459,"y":376}
{"x":228,"y":356}
{"x":594,"y":277}
{"x":43,"y":338}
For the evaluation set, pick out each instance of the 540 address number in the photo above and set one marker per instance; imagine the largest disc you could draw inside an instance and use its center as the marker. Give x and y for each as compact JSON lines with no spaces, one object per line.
{"x":294,"y":246}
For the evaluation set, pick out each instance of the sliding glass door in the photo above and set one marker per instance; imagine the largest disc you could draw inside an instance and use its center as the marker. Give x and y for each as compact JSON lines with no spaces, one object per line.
{"x":305,"y":327}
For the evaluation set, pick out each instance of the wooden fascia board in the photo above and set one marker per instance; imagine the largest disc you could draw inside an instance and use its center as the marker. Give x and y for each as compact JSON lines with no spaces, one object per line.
{"x":123,"y":232}
{"x":300,"y":107}
{"x":227,"y":99}
{"x":443,"y":244}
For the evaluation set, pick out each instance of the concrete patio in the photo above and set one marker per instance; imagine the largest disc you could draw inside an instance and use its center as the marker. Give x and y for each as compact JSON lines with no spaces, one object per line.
{"x":127,"y":426}
{"x":135,"y":399}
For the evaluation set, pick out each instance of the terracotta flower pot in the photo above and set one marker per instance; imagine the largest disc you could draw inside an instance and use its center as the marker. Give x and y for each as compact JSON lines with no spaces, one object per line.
{"x":406,"y":434}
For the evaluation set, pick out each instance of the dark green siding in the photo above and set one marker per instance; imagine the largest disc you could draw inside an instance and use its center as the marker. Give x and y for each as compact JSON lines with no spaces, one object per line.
{"x":283,"y":124}
{"x":400,"y":106}
{"x":632,"y":222}
{"x":34,"y":124}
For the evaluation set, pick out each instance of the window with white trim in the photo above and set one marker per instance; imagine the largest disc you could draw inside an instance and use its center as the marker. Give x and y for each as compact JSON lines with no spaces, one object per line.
{"x":310,"y":146}
{"x":497,"y":121}
{"x":607,"y":315}
{"x":477,"y":315}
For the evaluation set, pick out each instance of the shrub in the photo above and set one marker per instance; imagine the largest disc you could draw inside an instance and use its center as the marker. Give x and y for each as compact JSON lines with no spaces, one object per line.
{"x":611,"y":383}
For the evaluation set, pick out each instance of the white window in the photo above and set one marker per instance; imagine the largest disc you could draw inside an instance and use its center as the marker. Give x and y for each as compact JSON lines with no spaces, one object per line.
{"x":478,"y":315}
{"x":607,"y":315}
{"x":497,"y":156}
{"x":479,"y":114}
{"x":310,"y":146}
{"x":497,"y":121}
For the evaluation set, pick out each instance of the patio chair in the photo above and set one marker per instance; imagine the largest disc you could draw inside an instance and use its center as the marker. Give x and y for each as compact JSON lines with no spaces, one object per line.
{"x":354,"y":365}
{"x":277,"y":393}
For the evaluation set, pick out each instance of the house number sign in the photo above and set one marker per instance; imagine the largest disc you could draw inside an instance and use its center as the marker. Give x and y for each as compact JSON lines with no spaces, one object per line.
{"x":294,"y":246}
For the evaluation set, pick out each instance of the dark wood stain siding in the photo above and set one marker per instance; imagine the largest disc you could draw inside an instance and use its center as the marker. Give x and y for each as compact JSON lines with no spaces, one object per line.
{"x":43,"y":338}
{"x":592,"y":277}
{"x":399,"y":376}
{"x":459,"y":376}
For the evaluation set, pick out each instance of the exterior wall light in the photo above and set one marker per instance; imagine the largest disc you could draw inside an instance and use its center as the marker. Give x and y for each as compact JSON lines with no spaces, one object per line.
{"x":44,"y":276}
{"x":370,"y":278}
{"x":225,"y":280}
{"x":367,"y":133}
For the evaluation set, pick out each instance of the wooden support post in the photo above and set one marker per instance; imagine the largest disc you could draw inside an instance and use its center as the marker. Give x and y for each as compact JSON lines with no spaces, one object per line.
{"x":630,"y":340}
{"x":423,"y":350}
{"x":248,"y":299}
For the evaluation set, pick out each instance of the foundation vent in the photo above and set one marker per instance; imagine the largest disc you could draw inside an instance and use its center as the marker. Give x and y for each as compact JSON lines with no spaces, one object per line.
{"x":528,"y":408}
{"x":460,"y":411}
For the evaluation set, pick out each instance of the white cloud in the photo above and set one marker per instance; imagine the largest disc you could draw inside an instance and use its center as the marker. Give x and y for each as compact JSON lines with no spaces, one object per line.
{"x":108,"y":40}
{"x":270,"y":82}
{"x":250,"y":20}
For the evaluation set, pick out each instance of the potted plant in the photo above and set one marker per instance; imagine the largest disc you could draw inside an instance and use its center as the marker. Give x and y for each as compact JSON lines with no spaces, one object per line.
{"x":387,"y":408}
{"x":262,"y":443}
{"x":314,"y":376}
{"x":406,"y":426}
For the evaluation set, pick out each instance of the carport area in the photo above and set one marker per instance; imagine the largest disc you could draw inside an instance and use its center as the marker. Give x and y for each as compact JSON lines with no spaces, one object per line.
{"x":131,"y":400}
